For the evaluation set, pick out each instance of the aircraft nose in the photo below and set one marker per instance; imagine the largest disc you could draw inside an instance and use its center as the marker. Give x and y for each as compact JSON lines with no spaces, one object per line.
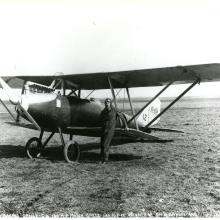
{"x":28,"y":100}
{"x":40,"y":105}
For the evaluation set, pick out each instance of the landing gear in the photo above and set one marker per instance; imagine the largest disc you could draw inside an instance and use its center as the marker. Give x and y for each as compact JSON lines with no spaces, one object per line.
{"x":34,"y":148}
{"x":71,"y":151}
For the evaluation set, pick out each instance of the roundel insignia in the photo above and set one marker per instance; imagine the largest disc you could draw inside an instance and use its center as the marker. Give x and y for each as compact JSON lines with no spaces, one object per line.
{"x":154,"y":110}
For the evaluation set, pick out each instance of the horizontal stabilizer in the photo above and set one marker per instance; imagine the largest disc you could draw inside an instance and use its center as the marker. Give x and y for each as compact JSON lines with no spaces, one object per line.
{"x":132,"y":133}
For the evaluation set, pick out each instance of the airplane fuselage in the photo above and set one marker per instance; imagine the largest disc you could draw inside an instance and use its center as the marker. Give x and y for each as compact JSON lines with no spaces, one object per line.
{"x":52,"y":111}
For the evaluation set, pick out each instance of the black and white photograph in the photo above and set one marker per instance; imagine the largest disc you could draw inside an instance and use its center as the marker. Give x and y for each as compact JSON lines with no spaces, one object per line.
{"x":109,"y":108}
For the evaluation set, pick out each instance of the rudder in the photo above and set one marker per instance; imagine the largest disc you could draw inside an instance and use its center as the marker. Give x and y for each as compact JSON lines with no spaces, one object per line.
{"x":149,"y":113}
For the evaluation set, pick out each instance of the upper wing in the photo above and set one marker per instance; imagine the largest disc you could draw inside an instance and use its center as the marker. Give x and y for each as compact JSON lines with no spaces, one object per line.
{"x":137,"y":78}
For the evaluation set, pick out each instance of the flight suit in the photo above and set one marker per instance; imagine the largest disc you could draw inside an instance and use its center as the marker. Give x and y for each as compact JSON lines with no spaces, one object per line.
{"x":108,"y":122}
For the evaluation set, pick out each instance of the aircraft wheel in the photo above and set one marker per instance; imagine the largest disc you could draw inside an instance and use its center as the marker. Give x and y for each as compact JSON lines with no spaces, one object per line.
{"x":34,"y":148}
{"x":71,"y":152}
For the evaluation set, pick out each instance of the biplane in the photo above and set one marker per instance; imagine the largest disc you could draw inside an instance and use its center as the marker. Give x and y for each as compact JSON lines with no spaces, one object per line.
{"x":54,"y":103}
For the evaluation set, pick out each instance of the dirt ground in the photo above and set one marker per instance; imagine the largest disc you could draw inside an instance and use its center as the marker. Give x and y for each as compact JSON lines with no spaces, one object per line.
{"x":180,"y":178}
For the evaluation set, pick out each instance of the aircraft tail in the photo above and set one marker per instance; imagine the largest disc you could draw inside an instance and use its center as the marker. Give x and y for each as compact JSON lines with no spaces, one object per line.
{"x":150,"y":113}
{"x":13,"y":98}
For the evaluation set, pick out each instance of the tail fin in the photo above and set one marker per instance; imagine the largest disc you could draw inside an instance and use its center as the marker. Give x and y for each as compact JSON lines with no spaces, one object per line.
{"x":13,"y":98}
{"x":150,"y":113}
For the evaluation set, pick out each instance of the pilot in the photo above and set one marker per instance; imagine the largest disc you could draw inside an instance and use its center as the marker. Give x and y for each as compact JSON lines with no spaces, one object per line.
{"x":108,"y":123}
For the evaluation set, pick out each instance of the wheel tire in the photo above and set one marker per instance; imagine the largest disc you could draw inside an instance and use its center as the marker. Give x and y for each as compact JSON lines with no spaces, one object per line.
{"x":71,"y":152}
{"x":34,"y":148}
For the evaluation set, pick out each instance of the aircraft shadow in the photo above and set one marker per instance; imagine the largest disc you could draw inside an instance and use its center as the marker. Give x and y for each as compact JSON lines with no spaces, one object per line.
{"x":92,"y":157}
{"x":9,"y":151}
{"x":86,"y":154}
{"x":55,"y":153}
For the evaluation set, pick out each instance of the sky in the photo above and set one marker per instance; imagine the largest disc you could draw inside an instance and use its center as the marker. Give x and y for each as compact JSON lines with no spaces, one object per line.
{"x":78,"y":36}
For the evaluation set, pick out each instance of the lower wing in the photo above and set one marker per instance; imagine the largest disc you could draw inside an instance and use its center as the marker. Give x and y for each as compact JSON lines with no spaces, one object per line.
{"x":126,"y":135}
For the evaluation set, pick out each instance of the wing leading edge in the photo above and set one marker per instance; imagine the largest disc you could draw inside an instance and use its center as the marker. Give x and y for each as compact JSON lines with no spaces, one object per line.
{"x":137,"y":78}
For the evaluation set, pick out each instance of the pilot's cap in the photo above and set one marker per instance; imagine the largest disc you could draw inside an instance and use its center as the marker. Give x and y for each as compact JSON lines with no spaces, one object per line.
{"x":108,"y":100}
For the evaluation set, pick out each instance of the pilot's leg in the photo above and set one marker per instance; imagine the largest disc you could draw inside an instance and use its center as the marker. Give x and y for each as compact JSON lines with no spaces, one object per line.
{"x":107,"y":143}
{"x":102,"y":145}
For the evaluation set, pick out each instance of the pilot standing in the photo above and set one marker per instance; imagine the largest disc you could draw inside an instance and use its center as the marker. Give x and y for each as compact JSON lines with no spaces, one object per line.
{"x":108,"y":122}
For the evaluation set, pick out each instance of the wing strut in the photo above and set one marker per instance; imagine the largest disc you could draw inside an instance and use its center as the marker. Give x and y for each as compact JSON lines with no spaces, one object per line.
{"x":63,"y":87}
{"x":89,"y":94}
{"x":79,"y":93}
{"x":118,"y":92}
{"x":131,"y":105}
{"x":22,"y":92}
{"x":72,"y":92}
{"x":113,"y":92}
{"x":145,"y":106}
{"x":174,"y":101}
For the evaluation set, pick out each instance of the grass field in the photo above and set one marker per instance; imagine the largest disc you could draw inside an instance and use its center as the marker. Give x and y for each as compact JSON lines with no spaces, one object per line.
{"x":180,"y":178}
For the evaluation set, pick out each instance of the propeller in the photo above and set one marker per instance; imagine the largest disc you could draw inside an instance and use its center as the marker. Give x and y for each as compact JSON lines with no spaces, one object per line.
{"x":16,"y":100}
